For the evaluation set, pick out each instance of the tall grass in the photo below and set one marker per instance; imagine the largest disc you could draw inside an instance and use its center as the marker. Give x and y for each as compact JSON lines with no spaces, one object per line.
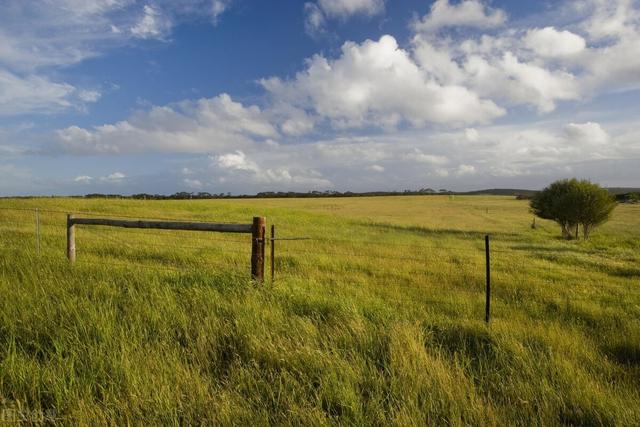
{"x":378,"y":320}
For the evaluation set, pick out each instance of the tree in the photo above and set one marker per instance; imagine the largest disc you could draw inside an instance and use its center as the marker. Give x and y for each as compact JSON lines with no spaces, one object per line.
{"x":572,"y":203}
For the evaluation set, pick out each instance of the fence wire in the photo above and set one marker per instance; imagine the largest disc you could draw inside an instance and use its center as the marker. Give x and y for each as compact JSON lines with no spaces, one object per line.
{"x":398,"y":271}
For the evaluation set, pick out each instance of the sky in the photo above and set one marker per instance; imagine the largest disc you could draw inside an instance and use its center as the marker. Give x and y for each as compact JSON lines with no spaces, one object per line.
{"x":243,"y":96}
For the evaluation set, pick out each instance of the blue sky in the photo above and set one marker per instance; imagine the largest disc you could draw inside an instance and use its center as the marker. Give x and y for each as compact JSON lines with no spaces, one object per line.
{"x":244,"y":95}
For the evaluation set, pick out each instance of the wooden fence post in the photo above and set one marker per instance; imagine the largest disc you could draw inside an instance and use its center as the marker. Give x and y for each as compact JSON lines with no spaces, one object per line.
{"x":487,"y":311}
{"x":257,"y":248}
{"x":71,"y":239}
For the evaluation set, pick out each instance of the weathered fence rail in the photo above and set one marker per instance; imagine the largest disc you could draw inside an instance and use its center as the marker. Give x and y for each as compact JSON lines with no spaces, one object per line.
{"x":256,"y":229}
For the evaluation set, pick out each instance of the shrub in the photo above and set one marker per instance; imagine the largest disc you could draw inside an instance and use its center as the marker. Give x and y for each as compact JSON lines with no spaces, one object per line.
{"x":572,"y":203}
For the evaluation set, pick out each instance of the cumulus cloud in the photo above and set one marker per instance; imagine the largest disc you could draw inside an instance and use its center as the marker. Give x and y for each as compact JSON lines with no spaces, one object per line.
{"x":378,"y":83}
{"x":611,"y":19}
{"x":492,"y":68}
{"x":537,"y":85}
{"x":549,"y":42}
{"x":238,"y":166}
{"x":587,"y":134}
{"x":467,"y":13}
{"x":201,"y":126}
{"x":237,"y":161}
{"x":381,"y":114}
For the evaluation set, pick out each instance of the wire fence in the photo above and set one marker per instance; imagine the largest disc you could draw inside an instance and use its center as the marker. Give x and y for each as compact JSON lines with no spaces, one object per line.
{"x":398,"y":271}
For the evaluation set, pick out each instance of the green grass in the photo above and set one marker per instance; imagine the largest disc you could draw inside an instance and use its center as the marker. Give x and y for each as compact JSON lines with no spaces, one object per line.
{"x":377,"y":320}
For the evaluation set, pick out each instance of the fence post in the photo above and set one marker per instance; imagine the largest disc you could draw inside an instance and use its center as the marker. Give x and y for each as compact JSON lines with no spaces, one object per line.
{"x":71,"y":239}
{"x":273,"y":252}
{"x":487,"y":312}
{"x":37,"y":231}
{"x":257,"y":248}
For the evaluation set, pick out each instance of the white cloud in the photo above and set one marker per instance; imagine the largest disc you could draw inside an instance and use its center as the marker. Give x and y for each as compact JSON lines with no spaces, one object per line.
{"x":466,"y":170}
{"x":218,"y":7}
{"x":611,"y":19}
{"x":421,"y":113}
{"x":83,"y":179}
{"x":418,"y":156}
{"x":314,"y":21}
{"x":587,"y":134}
{"x":152,"y":24}
{"x":89,"y":95}
{"x":37,"y":94}
{"x":471,"y":134}
{"x":347,"y":8}
{"x":237,"y":161}
{"x":377,"y":83}
{"x":36,"y":38}
{"x":492,"y":68}
{"x":32,"y":93}
{"x":537,"y":85}
{"x":201,"y":126}
{"x":115,"y":177}
{"x":193,"y":183}
{"x":549,"y":42}
{"x":317,"y":14}
{"x":467,"y":13}
{"x":242,"y":169}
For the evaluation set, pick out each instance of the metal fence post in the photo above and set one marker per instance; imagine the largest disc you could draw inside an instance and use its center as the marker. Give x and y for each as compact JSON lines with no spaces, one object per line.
{"x":487,"y":312}
{"x":273,"y":252}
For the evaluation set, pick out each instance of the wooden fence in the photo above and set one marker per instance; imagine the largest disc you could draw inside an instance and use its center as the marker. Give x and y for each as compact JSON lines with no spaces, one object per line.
{"x":257,"y":230}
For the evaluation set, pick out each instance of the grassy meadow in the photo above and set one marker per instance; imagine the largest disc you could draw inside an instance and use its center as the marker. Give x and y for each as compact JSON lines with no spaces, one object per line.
{"x":377,"y":320}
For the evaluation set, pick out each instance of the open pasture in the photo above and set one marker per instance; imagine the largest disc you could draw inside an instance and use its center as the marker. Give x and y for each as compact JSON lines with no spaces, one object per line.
{"x":378,"y":319}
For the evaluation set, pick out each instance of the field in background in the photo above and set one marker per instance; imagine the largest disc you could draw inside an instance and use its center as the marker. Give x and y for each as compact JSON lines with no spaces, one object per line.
{"x":376,"y":320}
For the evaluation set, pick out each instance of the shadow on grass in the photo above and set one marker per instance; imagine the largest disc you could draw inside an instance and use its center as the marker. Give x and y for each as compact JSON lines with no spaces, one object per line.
{"x":628,"y":272}
{"x":440,"y":232}
{"x":627,"y":353}
{"x":475,"y":343}
{"x":541,"y":248}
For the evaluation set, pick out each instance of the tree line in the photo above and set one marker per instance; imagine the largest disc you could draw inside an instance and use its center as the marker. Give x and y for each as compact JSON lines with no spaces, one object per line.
{"x":183,"y":195}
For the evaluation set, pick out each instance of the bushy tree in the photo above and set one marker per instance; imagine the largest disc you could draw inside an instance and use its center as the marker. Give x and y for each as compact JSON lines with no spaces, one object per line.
{"x":574,"y":204}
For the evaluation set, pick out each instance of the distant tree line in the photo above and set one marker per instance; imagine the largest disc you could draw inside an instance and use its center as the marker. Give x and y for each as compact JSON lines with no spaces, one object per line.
{"x":183,"y":195}
{"x":628,"y":198}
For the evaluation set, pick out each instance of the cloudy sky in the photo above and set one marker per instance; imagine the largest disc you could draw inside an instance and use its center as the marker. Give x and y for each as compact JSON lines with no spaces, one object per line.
{"x":243,"y":96}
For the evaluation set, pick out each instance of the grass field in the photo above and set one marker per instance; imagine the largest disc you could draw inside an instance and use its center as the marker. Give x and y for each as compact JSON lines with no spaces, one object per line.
{"x":376,"y":321}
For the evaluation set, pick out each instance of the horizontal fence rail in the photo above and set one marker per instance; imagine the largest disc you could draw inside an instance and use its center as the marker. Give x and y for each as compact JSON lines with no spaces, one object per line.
{"x":165,"y":225}
{"x":257,"y":229}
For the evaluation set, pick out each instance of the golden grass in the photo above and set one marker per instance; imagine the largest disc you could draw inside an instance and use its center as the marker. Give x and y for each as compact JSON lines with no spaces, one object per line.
{"x":377,"y":320}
